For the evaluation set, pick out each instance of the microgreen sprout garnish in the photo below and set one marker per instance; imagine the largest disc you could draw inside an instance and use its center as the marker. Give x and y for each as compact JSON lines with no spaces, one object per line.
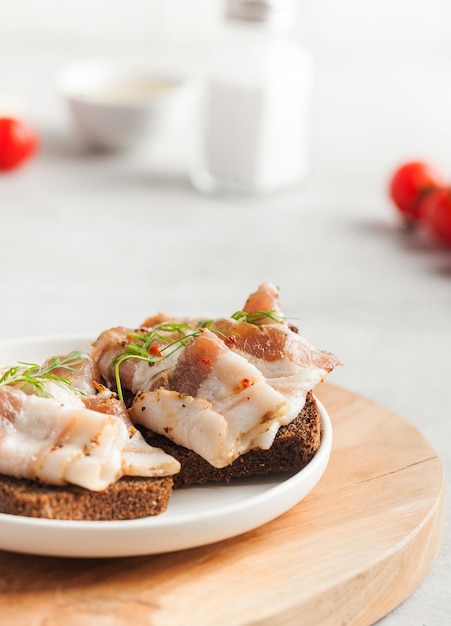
{"x":256,"y":317}
{"x":26,"y":374}
{"x":155,"y":344}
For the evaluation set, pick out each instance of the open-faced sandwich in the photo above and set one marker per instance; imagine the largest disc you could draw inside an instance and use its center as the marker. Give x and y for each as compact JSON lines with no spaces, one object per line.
{"x":68,"y":449}
{"x":175,"y":402}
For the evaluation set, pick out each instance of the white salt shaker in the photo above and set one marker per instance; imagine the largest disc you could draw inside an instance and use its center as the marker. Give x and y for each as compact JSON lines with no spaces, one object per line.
{"x":257,"y":110}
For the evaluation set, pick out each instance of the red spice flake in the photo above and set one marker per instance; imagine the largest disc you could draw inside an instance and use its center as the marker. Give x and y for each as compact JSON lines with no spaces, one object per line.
{"x":97,"y":386}
{"x":155,"y":350}
{"x":245,"y":383}
{"x":205,"y":361}
{"x":231,"y":340}
{"x":95,"y":441}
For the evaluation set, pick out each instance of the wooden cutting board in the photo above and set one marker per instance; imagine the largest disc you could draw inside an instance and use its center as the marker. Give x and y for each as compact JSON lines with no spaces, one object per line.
{"x":350,"y":552}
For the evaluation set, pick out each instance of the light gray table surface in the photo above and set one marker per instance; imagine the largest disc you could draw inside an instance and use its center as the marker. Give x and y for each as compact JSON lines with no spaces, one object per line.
{"x":90,"y":241}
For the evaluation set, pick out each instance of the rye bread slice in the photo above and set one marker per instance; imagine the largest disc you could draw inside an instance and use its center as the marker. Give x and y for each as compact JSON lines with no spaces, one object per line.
{"x":128,"y":498}
{"x":294,"y":447}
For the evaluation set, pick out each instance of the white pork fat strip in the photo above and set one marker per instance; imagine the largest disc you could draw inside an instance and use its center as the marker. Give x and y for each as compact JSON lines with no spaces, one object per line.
{"x":288,"y":362}
{"x":215,"y":403}
{"x":135,"y":374}
{"x":43,"y":439}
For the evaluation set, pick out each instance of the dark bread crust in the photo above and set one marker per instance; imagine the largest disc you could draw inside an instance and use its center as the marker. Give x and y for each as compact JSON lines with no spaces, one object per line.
{"x":294,"y":447}
{"x":129,"y":498}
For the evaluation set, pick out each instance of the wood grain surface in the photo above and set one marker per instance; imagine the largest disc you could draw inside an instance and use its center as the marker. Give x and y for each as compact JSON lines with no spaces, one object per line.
{"x":350,"y":552}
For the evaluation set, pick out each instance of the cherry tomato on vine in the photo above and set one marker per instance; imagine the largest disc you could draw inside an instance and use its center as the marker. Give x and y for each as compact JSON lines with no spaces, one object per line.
{"x":18,"y":142}
{"x":410,"y":184}
{"x":436,"y":210}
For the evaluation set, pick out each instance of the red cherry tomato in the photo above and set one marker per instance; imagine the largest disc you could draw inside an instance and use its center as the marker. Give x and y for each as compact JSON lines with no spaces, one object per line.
{"x":18,"y":142}
{"x":409,"y":185}
{"x":436,"y":211}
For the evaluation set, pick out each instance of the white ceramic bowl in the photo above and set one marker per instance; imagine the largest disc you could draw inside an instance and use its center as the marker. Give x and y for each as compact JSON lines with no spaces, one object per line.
{"x":118,"y":106}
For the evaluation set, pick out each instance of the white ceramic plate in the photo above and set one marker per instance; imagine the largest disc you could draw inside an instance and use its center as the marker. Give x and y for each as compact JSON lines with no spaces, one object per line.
{"x":196,"y":516}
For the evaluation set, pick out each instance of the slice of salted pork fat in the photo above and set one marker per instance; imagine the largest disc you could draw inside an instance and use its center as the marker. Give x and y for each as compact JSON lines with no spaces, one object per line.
{"x":215,"y":402}
{"x":289,"y":363}
{"x":57,"y":443}
{"x":135,"y":374}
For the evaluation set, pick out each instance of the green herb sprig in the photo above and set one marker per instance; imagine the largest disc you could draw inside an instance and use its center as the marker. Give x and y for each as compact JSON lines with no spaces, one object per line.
{"x":24,"y":374}
{"x":155,"y":344}
{"x":147,"y":346}
{"x":256,"y":317}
